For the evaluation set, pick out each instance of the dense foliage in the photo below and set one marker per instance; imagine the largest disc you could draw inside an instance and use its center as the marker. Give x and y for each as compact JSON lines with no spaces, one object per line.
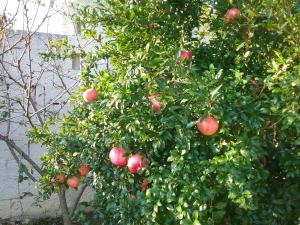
{"x":245,"y":74}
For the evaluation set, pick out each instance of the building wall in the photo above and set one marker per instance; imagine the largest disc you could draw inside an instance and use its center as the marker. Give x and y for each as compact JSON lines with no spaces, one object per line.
{"x":12,"y":204}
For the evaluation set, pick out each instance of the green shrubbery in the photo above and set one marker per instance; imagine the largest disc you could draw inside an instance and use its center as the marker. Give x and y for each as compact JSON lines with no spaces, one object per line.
{"x":245,"y":74}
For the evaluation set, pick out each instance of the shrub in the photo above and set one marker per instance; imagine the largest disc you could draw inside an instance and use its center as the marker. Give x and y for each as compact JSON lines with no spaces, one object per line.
{"x":244,"y":73}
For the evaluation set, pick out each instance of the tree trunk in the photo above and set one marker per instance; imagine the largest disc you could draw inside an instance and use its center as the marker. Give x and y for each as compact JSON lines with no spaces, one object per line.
{"x":76,"y":202}
{"x":64,"y":206}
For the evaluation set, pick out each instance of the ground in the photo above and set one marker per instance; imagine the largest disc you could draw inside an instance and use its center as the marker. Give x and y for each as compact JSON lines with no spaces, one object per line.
{"x":45,"y":221}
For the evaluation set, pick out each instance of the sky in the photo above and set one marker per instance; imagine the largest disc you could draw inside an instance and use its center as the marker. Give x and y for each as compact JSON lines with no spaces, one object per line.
{"x":56,"y":23}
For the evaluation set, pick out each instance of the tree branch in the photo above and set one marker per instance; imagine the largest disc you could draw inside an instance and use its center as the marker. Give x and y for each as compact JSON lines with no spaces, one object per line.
{"x":13,"y":145}
{"x":64,"y":206}
{"x":75,"y":204}
{"x":31,"y":177}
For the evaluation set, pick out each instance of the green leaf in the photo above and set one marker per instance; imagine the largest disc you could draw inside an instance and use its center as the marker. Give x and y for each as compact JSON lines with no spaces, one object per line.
{"x":240,"y":46}
{"x":214,"y":93}
{"x":221,"y":205}
{"x":196,"y":222}
{"x":297,"y":142}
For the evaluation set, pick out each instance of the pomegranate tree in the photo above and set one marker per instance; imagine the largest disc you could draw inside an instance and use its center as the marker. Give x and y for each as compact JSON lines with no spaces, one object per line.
{"x":246,"y":173}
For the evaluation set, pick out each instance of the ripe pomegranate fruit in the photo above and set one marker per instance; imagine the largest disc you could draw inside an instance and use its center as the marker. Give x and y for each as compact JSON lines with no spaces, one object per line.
{"x":232,"y":15}
{"x":153,"y":97}
{"x":73,"y":182}
{"x":156,"y":105}
{"x":185,"y":55}
{"x":116,"y":156}
{"x":84,"y":169}
{"x":208,"y":126}
{"x":90,"y":95}
{"x":135,"y":162}
{"x":60,"y":178}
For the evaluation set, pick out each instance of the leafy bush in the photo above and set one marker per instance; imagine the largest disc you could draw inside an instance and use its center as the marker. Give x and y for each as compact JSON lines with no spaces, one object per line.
{"x":245,"y":74}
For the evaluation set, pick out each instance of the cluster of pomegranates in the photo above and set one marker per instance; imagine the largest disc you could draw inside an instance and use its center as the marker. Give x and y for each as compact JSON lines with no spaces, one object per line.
{"x":72,"y":181}
{"x":118,"y":157}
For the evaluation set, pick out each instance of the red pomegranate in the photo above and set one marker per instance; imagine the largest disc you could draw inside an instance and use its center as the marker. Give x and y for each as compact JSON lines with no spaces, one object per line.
{"x":90,"y":95}
{"x":185,"y":55}
{"x":73,"y":182}
{"x":208,"y":126}
{"x":60,"y":178}
{"x":84,"y":169}
{"x":116,"y":156}
{"x":135,"y":162}
{"x":232,"y":14}
{"x":153,"y":97}
{"x":156,"y":105}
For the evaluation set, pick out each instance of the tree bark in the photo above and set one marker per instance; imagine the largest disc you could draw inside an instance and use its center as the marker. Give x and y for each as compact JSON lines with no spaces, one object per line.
{"x":76,"y":202}
{"x":64,"y":206}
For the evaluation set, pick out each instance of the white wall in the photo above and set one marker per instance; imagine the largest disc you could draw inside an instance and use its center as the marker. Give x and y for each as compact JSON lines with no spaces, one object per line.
{"x":12,"y":206}
{"x":50,"y":86}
